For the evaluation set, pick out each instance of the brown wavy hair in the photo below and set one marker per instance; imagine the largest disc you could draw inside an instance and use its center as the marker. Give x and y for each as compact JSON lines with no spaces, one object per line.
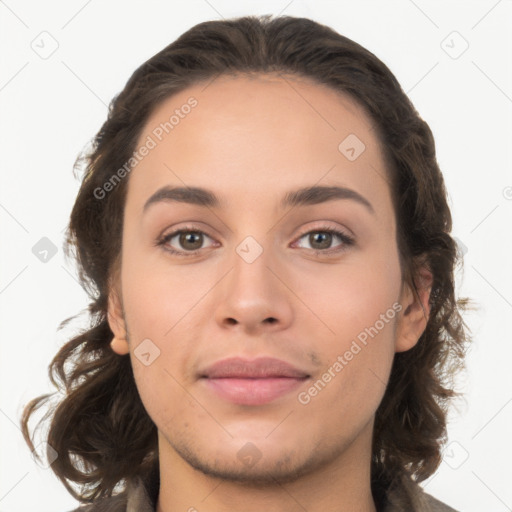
{"x":100,"y":429}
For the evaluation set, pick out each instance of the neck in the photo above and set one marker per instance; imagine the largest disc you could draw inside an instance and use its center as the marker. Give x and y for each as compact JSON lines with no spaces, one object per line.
{"x":343,"y":483}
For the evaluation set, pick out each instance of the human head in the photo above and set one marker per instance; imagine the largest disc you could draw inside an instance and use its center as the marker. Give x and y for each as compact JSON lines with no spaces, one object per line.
{"x":410,"y":421}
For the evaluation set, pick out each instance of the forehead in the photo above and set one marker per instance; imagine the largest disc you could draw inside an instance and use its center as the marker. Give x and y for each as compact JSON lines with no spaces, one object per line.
{"x":248,"y":133}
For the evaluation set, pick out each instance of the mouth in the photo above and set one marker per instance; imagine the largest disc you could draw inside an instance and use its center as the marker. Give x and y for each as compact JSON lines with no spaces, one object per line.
{"x":257,"y":382}
{"x":253,"y":391}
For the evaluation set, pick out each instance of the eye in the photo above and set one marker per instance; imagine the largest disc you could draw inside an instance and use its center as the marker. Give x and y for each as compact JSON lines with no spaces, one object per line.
{"x":189,"y":241}
{"x":320,"y":240}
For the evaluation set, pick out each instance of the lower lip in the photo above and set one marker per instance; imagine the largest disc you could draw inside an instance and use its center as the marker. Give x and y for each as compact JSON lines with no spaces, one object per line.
{"x":253,"y":391}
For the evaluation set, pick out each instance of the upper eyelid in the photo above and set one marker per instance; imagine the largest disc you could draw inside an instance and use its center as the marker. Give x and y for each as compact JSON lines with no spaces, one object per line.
{"x":198,"y":229}
{"x":326,"y":227}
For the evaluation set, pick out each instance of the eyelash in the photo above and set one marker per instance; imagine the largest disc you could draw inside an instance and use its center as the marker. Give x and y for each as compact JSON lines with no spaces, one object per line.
{"x":346,"y":239}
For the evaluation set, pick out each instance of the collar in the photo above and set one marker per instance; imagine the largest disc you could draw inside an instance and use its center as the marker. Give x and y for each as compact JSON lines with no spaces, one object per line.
{"x":400,"y":495}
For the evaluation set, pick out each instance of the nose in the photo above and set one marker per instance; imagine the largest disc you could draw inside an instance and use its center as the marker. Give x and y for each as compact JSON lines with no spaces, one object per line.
{"x":254,"y":297}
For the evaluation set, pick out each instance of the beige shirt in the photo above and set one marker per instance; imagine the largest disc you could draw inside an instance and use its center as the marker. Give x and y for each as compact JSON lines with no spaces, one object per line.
{"x":141,"y":496}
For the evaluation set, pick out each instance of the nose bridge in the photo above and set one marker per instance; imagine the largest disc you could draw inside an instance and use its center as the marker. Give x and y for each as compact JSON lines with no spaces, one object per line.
{"x":252,"y":293}
{"x":251,"y":276}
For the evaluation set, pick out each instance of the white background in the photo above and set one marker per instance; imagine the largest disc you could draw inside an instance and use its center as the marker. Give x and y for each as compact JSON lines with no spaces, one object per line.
{"x":50,"y":108}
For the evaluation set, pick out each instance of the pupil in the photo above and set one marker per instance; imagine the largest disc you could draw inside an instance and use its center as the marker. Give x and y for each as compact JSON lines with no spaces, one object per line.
{"x":325,"y":237}
{"x":187,"y":238}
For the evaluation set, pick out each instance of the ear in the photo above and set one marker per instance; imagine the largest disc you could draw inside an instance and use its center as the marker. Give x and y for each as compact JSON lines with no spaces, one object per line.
{"x":115,"y":317}
{"x":416,"y":310}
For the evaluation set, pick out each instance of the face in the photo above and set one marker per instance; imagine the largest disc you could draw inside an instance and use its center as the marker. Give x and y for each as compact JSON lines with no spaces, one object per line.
{"x":254,"y":268}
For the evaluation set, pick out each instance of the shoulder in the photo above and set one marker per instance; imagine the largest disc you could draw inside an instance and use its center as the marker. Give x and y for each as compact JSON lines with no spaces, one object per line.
{"x":434,"y":505}
{"x":112,"y":504}
{"x":139,"y":495}
{"x":406,"y":495}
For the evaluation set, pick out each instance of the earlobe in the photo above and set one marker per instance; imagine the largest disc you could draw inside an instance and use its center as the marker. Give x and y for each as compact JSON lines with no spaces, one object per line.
{"x":416,"y":311}
{"x":120,"y":346}
{"x":115,"y":317}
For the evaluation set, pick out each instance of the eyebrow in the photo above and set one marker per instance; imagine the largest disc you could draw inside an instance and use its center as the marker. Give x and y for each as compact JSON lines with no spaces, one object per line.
{"x":300,"y":197}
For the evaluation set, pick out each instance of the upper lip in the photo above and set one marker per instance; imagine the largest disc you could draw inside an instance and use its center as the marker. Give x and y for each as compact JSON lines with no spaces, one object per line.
{"x":262,"y":367}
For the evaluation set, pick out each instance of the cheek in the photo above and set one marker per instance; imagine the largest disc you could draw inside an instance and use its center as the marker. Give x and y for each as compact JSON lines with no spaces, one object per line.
{"x":353,"y":379}
{"x":158,"y":390}
{"x":158,"y":294}
{"x":361,"y":309}
{"x":352,"y":296}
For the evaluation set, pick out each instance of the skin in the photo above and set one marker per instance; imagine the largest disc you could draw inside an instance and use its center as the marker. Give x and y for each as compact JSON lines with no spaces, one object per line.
{"x":251,"y":140}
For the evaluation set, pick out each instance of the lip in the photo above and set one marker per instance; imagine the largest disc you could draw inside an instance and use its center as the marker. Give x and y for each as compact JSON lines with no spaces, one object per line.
{"x":252,"y":382}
